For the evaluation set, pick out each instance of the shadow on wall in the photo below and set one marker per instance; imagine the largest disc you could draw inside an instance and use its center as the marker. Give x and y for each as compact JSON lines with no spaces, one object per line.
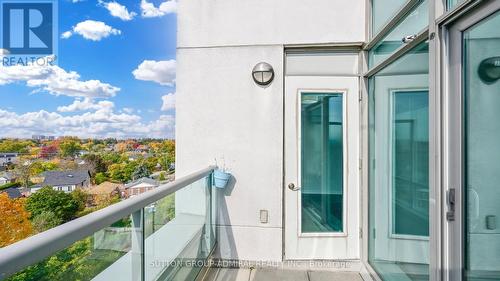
{"x":226,"y":243}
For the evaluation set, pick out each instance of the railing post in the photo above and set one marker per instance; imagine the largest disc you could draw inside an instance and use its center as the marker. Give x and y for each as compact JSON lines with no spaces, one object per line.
{"x":137,"y":248}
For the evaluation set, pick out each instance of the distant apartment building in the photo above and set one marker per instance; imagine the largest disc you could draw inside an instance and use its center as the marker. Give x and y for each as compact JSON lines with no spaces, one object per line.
{"x":42,"y":137}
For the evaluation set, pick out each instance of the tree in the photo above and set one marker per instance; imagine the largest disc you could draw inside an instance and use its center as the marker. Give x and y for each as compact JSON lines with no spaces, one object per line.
{"x":15,"y":145}
{"x":94,"y":163}
{"x":116,"y":172}
{"x":14,"y":220}
{"x":121,"y":147}
{"x":45,"y":221}
{"x":122,"y":172}
{"x":49,"y":151}
{"x":40,"y":167}
{"x":70,"y":147}
{"x":81,"y":197}
{"x":141,"y":171}
{"x":62,"y":204}
{"x":100,"y":178}
{"x":24,"y":172}
{"x":113,"y":158}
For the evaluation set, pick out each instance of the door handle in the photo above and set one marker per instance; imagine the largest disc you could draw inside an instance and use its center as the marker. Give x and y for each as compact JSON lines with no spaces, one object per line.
{"x":292,"y":187}
{"x":450,"y":198}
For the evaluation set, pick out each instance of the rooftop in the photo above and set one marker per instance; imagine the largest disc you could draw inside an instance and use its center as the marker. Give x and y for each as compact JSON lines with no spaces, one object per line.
{"x":144,"y":180}
{"x":55,"y":178}
{"x":104,"y":188}
{"x":13,"y":192}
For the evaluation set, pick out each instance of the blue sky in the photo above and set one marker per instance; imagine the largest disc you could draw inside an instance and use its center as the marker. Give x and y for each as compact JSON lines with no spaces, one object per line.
{"x":122,"y":54}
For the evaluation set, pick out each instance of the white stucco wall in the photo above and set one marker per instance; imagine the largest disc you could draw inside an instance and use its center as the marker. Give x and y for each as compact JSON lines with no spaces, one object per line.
{"x":250,"y":22}
{"x":221,"y":113}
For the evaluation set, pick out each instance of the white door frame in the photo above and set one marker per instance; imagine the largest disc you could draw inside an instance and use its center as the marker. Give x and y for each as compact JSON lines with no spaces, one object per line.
{"x":333,"y":245}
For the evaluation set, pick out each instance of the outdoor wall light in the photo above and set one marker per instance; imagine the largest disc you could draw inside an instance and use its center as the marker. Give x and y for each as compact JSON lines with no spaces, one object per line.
{"x":489,"y":70}
{"x":263,"y":73}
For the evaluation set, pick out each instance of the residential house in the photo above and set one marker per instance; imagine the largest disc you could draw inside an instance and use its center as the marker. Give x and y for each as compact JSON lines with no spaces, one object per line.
{"x":7,"y":158}
{"x":66,"y":181}
{"x":138,"y":186}
{"x":7,"y":177}
{"x":82,"y":152}
{"x":142,"y":148}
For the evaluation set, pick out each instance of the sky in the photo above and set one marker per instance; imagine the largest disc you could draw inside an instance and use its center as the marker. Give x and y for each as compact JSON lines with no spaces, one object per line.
{"x":115,"y":75}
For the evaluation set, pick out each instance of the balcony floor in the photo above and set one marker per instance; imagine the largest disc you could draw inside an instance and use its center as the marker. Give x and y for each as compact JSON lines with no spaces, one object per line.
{"x":267,"y":274}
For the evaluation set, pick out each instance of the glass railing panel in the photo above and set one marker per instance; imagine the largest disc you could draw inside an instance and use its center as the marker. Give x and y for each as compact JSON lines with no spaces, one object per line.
{"x":411,"y":25}
{"x":169,"y":239}
{"x":179,"y":233}
{"x":92,"y":257}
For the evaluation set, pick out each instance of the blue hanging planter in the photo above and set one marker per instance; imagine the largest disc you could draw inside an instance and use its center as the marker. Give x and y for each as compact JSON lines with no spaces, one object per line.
{"x":221,"y":178}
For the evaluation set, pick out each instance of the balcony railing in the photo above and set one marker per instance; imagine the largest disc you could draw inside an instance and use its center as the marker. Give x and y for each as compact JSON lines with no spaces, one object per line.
{"x":163,"y":234}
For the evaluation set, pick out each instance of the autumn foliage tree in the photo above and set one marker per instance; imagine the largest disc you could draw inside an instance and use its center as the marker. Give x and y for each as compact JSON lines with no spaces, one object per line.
{"x":49,"y":151}
{"x":14,"y":220}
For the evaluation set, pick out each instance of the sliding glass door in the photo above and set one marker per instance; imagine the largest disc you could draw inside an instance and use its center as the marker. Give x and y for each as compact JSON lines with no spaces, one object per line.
{"x":475,"y":145}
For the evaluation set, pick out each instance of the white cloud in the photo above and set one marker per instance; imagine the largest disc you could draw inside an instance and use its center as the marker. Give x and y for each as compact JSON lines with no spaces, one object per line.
{"x":162,"y":72}
{"x":101,"y":123}
{"x":85,"y":105}
{"x":150,"y":11}
{"x":128,"y":110}
{"x":4,"y":52}
{"x":168,"y":102}
{"x":118,"y":10}
{"x":92,"y":30}
{"x":56,"y":81}
{"x":66,"y":34}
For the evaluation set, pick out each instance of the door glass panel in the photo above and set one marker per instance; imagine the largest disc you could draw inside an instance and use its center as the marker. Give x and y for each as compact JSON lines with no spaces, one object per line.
{"x":481,"y":60}
{"x":398,"y":243}
{"x":322,"y":162}
{"x":410,"y":166}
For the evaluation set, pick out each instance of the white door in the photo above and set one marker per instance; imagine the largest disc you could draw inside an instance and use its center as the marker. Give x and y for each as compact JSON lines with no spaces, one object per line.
{"x":321,"y":168}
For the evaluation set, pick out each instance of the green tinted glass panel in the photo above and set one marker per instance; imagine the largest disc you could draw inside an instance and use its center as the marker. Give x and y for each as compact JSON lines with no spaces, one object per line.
{"x":382,"y":11}
{"x":398,"y":245}
{"x":412,"y":24}
{"x":453,"y":3}
{"x":410,"y":163}
{"x":322,"y":162}
{"x":481,"y":76}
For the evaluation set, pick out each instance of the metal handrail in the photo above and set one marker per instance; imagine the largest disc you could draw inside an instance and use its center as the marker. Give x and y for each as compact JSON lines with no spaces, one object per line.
{"x":33,"y":249}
